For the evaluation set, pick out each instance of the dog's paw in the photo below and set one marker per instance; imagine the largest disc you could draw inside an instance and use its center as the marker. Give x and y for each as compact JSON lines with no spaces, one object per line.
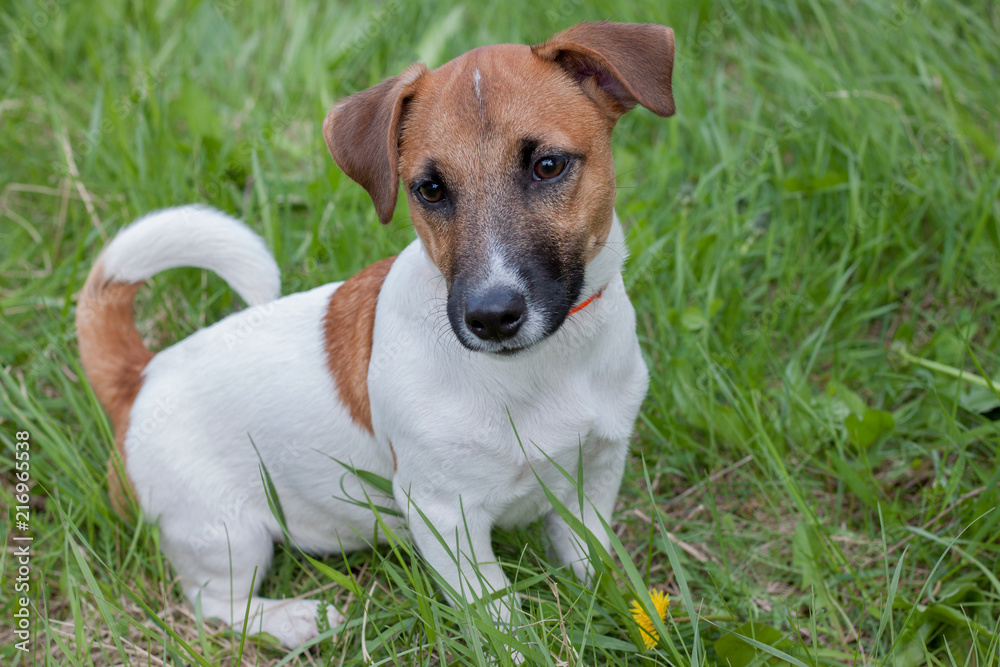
{"x":292,"y":622}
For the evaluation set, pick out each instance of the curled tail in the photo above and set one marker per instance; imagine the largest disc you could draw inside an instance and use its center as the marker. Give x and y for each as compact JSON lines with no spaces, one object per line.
{"x":111,"y":351}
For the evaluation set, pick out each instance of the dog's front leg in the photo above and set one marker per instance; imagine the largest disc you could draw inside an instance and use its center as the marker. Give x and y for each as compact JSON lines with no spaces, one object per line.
{"x":454,"y":539}
{"x":602,"y":476}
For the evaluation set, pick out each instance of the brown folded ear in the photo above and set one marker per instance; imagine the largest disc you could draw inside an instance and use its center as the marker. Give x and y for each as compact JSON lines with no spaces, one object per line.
{"x":362,"y":133}
{"x":630,"y":63}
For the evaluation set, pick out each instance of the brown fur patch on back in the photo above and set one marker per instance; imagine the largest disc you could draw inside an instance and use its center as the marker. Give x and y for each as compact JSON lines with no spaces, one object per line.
{"x":113,"y":356}
{"x":348,"y":327}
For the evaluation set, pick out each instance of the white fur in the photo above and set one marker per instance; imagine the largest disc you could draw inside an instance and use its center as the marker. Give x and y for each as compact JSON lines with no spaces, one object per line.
{"x":257,"y":378}
{"x":261,"y":375}
{"x":474,"y":432}
{"x":196,"y":236}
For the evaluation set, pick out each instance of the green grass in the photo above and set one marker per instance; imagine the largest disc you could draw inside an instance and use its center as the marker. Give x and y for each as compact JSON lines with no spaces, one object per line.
{"x":815,"y":264}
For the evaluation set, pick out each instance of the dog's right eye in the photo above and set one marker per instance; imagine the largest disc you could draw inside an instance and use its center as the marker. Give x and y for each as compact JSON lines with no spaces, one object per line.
{"x":549,"y":167}
{"x":430,"y":191}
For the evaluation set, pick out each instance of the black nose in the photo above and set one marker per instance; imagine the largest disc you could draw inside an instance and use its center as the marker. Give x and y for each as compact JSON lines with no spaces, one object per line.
{"x":496,"y":314}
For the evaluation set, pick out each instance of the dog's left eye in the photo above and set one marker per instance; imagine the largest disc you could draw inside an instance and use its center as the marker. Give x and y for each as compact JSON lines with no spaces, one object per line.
{"x":549,"y":167}
{"x":430,"y":191}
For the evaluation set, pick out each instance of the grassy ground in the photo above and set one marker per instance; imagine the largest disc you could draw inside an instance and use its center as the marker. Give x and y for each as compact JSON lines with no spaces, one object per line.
{"x":815,"y":263}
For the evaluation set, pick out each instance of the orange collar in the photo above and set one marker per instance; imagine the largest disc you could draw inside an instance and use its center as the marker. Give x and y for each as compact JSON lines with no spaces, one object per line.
{"x":586,"y":303}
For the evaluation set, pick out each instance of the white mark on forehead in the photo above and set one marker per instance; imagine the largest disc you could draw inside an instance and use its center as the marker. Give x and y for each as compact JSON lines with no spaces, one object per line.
{"x":476,"y":78}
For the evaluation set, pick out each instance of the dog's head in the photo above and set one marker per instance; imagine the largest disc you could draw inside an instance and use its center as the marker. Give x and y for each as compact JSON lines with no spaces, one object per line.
{"x":505,"y":154}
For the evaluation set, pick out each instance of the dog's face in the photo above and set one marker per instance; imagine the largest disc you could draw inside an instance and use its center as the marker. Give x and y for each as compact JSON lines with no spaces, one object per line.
{"x":507,"y":166}
{"x":505,"y":156}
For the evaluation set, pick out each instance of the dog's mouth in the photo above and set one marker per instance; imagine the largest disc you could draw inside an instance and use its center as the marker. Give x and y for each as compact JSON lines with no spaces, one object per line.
{"x":510,"y":351}
{"x":500,"y":350}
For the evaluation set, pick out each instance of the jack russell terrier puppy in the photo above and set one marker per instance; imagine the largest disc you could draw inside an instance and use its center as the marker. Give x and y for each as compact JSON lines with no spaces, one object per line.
{"x":497,"y":348}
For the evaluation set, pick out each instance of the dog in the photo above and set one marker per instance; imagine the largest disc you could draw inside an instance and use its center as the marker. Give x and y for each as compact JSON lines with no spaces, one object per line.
{"x":478,"y":370}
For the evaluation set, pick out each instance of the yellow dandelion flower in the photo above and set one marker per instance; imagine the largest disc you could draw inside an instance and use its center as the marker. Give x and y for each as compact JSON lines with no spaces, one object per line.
{"x":649,"y":634}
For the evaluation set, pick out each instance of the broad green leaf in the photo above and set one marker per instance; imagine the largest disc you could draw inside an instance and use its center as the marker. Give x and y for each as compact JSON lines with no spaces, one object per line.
{"x":978,"y":399}
{"x":693,"y":319}
{"x":736,"y":652}
{"x":864,"y":432}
